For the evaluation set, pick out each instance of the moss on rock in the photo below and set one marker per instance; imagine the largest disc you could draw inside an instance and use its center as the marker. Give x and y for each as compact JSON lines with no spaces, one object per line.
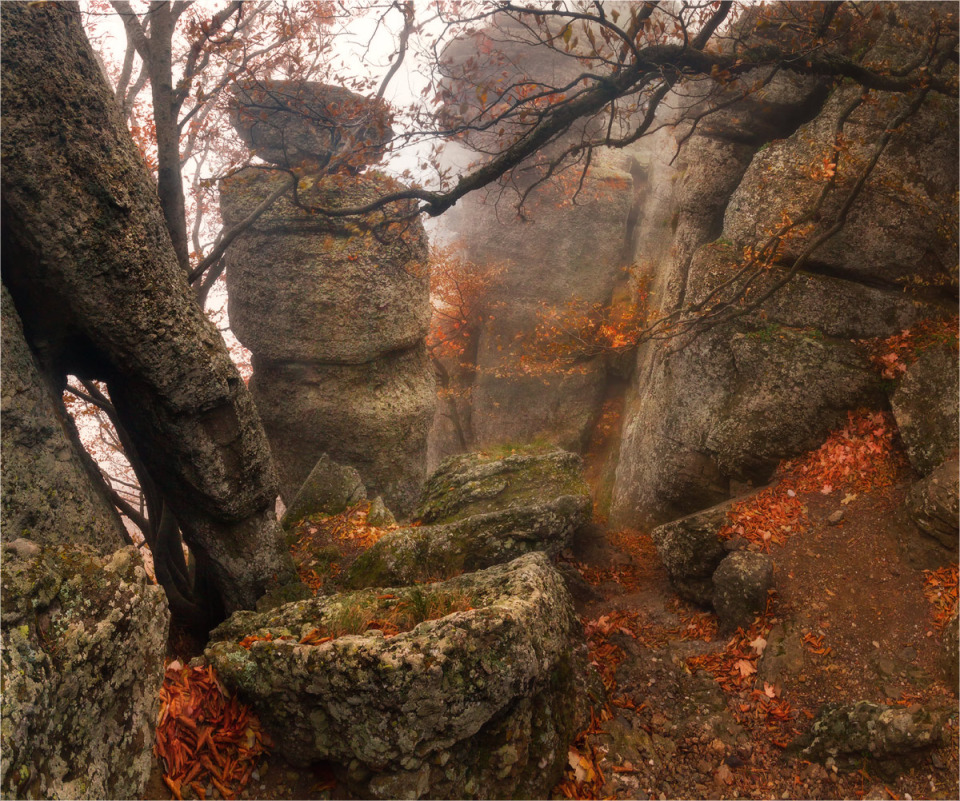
{"x":479,"y":703}
{"x":83,"y":644}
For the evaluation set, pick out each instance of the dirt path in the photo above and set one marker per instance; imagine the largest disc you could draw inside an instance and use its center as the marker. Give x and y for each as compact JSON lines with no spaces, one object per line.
{"x":694,"y":715}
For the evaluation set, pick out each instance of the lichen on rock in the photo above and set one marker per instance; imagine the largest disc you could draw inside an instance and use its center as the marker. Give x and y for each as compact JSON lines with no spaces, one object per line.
{"x":83,"y":644}
{"x":865,"y":729}
{"x":479,"y":703}
{"x":475,"y":483}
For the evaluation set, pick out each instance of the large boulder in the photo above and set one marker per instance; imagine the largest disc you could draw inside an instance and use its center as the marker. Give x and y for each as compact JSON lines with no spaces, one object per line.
{"x":476,"y":483}
{"x":374,"y":417}
{"x":691,"y":550}
{"x":51,"y":492}
{"x":740,"y":398}
{"x":308,"y":288}
{"x":932,"y":505}
{"x":925,"y":406}
{"x":481,"y":702}
{"x":866,"y":729}
{"x":740,"y":586}
{"x":791,"y":389}
{"x":83,"y":645}
{"x":290,"y":122}
{"x":429,"y":553}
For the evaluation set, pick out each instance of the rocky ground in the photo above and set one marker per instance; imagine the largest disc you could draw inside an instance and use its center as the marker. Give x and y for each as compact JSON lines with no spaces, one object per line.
{"x":695,"y":714}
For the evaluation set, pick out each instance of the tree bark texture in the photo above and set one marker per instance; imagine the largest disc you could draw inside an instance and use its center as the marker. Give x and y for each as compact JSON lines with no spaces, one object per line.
{"x":90,"y":265}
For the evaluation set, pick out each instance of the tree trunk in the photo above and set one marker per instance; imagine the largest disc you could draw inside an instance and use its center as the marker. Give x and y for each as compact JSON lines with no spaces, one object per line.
{"x":165,"y":113}
{"x":89,"y":262}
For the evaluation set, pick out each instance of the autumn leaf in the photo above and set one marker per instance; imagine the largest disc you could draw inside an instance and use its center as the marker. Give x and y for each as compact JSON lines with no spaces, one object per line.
{"x":746,"y":667}
{"x":758,"y":645}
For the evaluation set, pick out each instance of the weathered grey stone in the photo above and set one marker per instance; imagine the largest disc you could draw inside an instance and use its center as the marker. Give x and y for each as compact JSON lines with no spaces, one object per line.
{"x":740,"y":585}
{"x":83,"y":644}
{"x":893,"y":237}
{"x":335,"y":311}
{"x":933,"y":506}
{"x":379,"y":515}
{"x":50,"y":494}
{"x":88,"y":260}
{"x":307,"y":288}
{"x":791,"y":389}
{"x":855,"y":287}
{"x":479,"y":703}
{"x":373,"y":417}
{"x":289,"y":122}
{"x":691,"y":551}
{"x":865,"y":729}
{"x":329,"y":489}
{"x":429,"y":553}
{"x":925,"y":407}
{"x":475,"y":483}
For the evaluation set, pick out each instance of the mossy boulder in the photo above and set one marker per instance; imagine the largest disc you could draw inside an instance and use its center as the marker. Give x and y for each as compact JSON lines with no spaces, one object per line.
{"x":482,"y":702}
{"x":879,"y":731}
{"x":83,"y":645}
{"x":476,"y":483}
{"x":429,"y":553}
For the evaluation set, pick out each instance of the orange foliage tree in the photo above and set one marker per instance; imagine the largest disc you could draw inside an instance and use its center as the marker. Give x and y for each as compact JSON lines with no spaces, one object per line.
{"x":459,"y":299}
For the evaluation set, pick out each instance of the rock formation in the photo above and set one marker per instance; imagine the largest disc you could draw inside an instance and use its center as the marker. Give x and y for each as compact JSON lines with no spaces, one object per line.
{"x":88,"y":261}
{"x":729,"y":406}
{"x":83,"y":645}
{"x":480,"y":703}
{"x":335,"y":310}
{"x":83,"y":628}
{"x":477,"y":512}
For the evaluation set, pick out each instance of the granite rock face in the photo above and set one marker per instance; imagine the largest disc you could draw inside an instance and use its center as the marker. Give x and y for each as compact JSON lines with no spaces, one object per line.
{"x":773,"y":382}
{"x":83,"y":644}
{"x":478,"y":703}
{"x":50,"y":494}
{"x":925,"y":407}
{"x":335,"y":312}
